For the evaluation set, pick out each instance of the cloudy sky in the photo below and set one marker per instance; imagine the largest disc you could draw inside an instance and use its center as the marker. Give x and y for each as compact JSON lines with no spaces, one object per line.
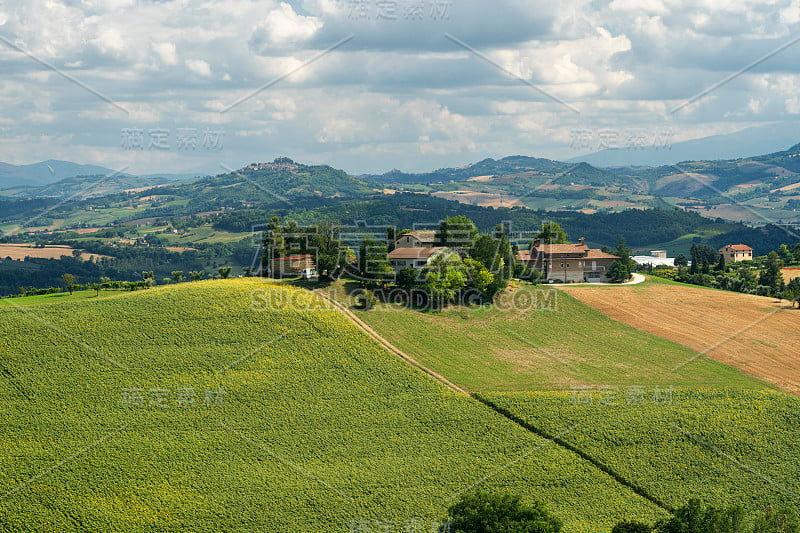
{"x":371,"y":85}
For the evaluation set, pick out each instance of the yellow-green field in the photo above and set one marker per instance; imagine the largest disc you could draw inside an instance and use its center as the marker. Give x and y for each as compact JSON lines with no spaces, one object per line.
{"x":197,"y":407}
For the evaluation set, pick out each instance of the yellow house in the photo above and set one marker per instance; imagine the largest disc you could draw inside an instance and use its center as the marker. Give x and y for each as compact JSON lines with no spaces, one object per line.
{"x":736,"y":252}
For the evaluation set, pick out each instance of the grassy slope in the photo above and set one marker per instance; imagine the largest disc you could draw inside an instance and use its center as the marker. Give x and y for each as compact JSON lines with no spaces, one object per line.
{"x":484,"y":349}
{"x":753,"y":333}
{"x":318,"y":427}
{"x":724,"y":437}
{"x":728,"y":446}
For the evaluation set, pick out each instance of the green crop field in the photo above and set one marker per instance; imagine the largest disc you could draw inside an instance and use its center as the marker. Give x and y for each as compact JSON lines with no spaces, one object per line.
{"x":199,"y":407}
{"x":539,"y":338}
{"x":607,"y":391}
{"x":726,"y":446}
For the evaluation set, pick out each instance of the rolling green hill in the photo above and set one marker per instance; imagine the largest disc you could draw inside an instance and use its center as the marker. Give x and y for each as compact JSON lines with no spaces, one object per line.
{"x":621,"y":397}
{"x":196,"y":407}
{"x":725,"y":445}
{"x":540,"y":338}
{"x":522,"y":167}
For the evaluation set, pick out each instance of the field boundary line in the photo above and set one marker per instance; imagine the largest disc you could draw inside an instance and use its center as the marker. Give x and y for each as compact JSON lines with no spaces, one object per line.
{"x":388,"y":345}
{"x":574,"y":449}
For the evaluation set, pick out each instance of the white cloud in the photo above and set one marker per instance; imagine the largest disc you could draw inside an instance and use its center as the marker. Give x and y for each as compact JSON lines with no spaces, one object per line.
{"x":110,"y":41}
{"x":166,"y":52}
{"x":282,"y":25}
{"x":398,"y":87}
{"x":199,"y":66}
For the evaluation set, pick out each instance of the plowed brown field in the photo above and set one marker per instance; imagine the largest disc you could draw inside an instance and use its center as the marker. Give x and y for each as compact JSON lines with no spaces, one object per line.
{"x":752,"y":333}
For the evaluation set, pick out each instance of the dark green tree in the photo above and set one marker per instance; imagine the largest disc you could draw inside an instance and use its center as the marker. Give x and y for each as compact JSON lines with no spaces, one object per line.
{"x":391,"y":236}
{"x":485,"y":251}
{"x":618,"y":271}
{"x":478,"y":277}
{"x":443,"y":233}
{"x":695,"y":517}
{"x":331,"y":255}
{"x":632,"y":527}
{"x":224,"y":272}
{"x":458,"y":231}
{"x":373,"y":262}
{"x":720,"y":264}
{"x":771,"y":275}
{"x":407,"y":278}
{"x":624,"y":265}
{"x":792,"y":291}
{"x":681,"y":260}
{"x":552,"y":233}
{"x":482,"y":512}
{"x":148,"y":277}
{"x":68,"y":281}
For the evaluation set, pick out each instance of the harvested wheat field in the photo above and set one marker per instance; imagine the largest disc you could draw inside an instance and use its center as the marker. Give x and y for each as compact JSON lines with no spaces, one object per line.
{"x":753,"y":333}
{"x":20,"y":251}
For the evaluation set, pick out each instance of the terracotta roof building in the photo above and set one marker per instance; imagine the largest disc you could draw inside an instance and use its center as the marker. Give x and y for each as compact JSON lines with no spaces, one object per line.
{"x":568,"y":263}
{"x":414,"y":256}
{"x":736,"y":252}
{"x":424,"y":238}
{"x":290,"y":265}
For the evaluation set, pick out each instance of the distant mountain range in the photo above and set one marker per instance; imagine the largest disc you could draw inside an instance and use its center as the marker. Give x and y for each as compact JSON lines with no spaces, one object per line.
{"x":53,"y":170}
{"x":514,"y":176}
{"x":45,"y":172}
{"x":741,"y":144}
{"x":517,"y":165}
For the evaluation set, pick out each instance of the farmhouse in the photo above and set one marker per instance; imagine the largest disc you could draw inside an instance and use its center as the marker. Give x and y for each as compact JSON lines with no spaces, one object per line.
{"x":291,"y":265}
{"x":567,"y":263}
{"x":736,"y":252}
{"x":417,"y":239}
{"x":415,"y":250}
{"x":414,"y":256}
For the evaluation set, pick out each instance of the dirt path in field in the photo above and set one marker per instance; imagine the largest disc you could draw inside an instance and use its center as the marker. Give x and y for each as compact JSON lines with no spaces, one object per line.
{"x":389,"y":346}
{"x":753,"y":333}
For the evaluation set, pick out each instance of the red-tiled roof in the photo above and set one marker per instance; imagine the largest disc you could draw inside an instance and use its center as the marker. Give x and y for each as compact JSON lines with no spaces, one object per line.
{"x":596,"y":253}
{"x":548,"y":249}
{"x":423,"y":235}
{"x":417,"y":252}
{"x":740,"y":247}
{"x":294,"y":257}
{"x":560,"y":249}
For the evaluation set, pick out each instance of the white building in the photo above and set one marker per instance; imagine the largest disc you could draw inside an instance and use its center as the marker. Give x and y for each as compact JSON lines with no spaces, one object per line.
{"x":656,"y":258}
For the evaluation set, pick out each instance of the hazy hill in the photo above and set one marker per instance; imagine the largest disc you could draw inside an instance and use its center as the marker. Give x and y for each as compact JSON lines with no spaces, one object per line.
{"x":79,"y":187}
{"x":741,"y":144}
{"x":281,"y":181}
{"x":520,"y":166}
{"x":45,"y":172}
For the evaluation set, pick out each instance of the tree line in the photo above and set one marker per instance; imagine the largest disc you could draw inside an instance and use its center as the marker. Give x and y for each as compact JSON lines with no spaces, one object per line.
{"x":761,"y":276}
{"x":483,"y":512}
